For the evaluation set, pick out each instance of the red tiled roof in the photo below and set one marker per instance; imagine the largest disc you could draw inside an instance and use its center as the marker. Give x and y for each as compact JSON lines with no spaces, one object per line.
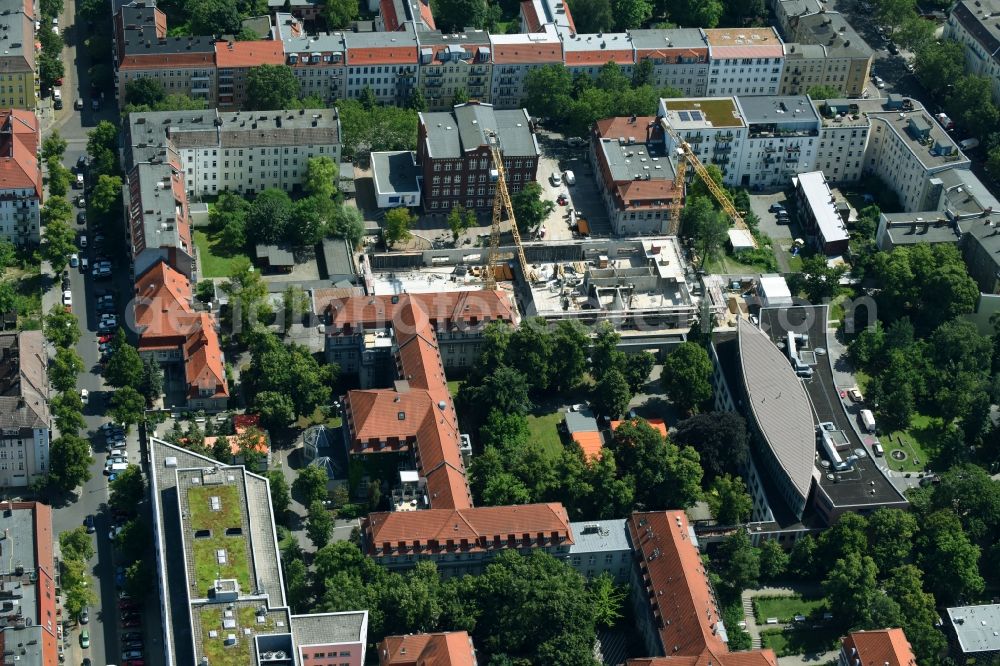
{"x":249,"y":54}
{"x":531,"y":18}
{"x":764,"y":657}
{"x":527,"y":52}
{"x":162,"y":307}
{"x":679,"y":592}
{"x":875,"y":648}
{"x":452,"y":648}
{"x":19,"y":168}
{"x":671,"y":54}
{"x":444,"y":309}
{"x":426,"y":14}
{"x":472,"y":529}
{"x":167,"y":60}
{"x":382,"y":55}
{"x":612,"y":128}
{"x":590,"y":443}
{"x":387,"y":10}
{"x":203,"y":366}
{"x":598,"y":56}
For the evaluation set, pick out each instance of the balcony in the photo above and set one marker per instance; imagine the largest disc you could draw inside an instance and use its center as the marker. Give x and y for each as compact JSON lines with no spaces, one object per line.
{"x":721,"y":138}
{"x":477,"y":80}
{"x":434,"y":83}
{"x":433,"y":73}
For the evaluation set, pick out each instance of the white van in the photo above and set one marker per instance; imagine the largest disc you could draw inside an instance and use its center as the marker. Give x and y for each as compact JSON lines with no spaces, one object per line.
{"x":570,"y":178}
{"x":878,"y":450}
{"x":868,"y":419}
{"x":117,"y":468}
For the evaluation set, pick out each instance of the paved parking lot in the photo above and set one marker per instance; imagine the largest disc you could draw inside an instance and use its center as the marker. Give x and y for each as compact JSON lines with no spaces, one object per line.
{"x":559,"y":157}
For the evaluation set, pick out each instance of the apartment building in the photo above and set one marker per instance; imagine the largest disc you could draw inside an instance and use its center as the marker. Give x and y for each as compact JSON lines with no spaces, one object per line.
{"x":782,"y":139}
{"x":185,"y":342}
{"x":888,"y":647}
{"x":464,"y":541}
{"x":218,"y":572}
{"x":453,"y":153}
{"x":842,"y":139}
{"x":385,"y":62}
{"x":233,"y":61}
{"x":450,"y":64}
{"x":451,"y":648}
{"x":975,"y":24}
{"x":679,"y":58}
{"x":744,"y":61}
{"x":25,"y":421}
{"x":601,"y":546}
{"x":17,"y":63}
{"x":356,"y":324}
{"x":20,"y":178}
{"x":514,"y":56}
{"x":394,"y":14}
{"x":29,"y":627}
{"x":714,"y":128}
{"x":587,"y":54}
{"x":677,"y":614}
{"x":242,"y":151}
{"x":318,"y":61}
{"x":636,"y":178}
{"x":970,"y":632}
{"x":817,"y":213}
{"x":906,"y":148}
{"x":157,"y":216}
{"x":142,"y":49}
{"x":825,"y":50}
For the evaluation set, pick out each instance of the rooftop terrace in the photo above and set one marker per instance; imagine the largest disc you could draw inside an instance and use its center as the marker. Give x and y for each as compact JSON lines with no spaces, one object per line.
{"x":216,"y":538}
{"x":224,"y":633}
{"x":712,"y":112}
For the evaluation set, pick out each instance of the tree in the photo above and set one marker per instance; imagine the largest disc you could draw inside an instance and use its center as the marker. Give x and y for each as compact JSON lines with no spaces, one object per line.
{"x":280,"y":497}
{"x":530,"y":209}
{"x":69,"y":461}
{"x":59,"y":177}
{"x":76,"y":544}
{"x":8,"y":297}
{"x":456,"y":14}
{"x":590,"y":16}
{"x":739,"y":563}
{"x":890,"y":538}
{"x":309,"y":221}
{"x":64,"y":369}
{"x":54,"y":146}
{"x":417,"y":101}
{"x":319,"y":526}
{"x":347,"y":223}
{"x":802,"y":558}
{"x":604,"y":354}
{"x":568,"y":360}
{"x":974,"y":496}
{"x":529,"y":351}
{"x":686,"y":377}
{"x":631,"y":14}
{"x":607,"y":598}
{"x":365,"y":128}
{"x":773,"y":561}
{"x":247,"y":293}
{"x":59,"y":240}
{"x":993,"y":160}
{"x":144,"y":90}
{"x":322,"y":174}
{"x":124,"y":367}
{"x":151,"y":385}
{"x":50,"y":67}
{"x":949,"y":560}
{"x":706,"y":225}
{"x":396,"y":225}
{"x":919,"y":616}
{"x":612,"y":394}
{"x":971,"y":105}
{"x":297,"y":585}
{"x":817,"y":279}
{"x":893,"y":12}
{"x":851,"y":589}
{"x":915,"y":33}
{"x":338,"y":14}
{"x":139,"y":579}
{"x":665,"y":474}
{"x":106,"y":195}
{"x":131,"y":541}
{"x":728,"y":500}
{"x":504,"y":389}
{"x":637,"y":369}
{"x":547,"y":88}
{"x":127,"y":406}
{"x":459,"y":220}
{"x":61,"y":327}
{"x":102,"y":146}
{"x":721,"y":440}
{"x":269,"y":217}
{"x":67,"y":407}
{"x":310,"y":484}
{"x":938,"y":64}
{"x":276,"y":409}
{"x":214,"y":17}
{"x":271,"y":87}
{"x":128,"y":490}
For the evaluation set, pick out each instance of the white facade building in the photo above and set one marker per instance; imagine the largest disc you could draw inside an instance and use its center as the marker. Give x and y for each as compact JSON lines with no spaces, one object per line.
{"x":976,"y":25}
{"x":744,"y":61}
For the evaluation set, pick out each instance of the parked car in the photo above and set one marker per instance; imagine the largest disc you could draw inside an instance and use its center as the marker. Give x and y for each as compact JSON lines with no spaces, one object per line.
{"x":89,"y":524}
{"x":570,"y":178}
{"x":556,"y":179}
{"x":78,"y":184}
{"x":83,"y":241}
{"x":111,"y":426}
{"x":112,"y":533}
{"x":81,"y":217}
{"x":67,"y":298}
{"x":78,"y":104}
{"x":775,"y":207}
{"x":85,"y":616}
{"x":131,"y":654}
{"x":855,"y":395}
{"x":81,"y":162}
{"x":85,"y":396}
{"x":74,"y":260}
{"x":85,"y":639}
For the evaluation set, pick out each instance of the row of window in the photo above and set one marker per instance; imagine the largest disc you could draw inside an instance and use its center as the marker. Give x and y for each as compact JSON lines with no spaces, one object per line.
{"x":6,"y":466}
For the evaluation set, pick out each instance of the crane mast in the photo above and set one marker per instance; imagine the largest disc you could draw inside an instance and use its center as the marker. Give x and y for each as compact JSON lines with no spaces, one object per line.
{"x":501,"y":202}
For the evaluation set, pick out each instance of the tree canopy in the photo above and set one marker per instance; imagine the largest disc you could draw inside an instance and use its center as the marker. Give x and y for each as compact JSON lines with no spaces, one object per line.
{"x":686,"y":376}
{"x":271,"y":87}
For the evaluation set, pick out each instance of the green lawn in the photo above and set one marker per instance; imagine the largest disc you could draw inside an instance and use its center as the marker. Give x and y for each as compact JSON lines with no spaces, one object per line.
{"x":790,"y":642}
{"x":206,"y":564}
{"x":202,"y":515}
{"x":453,"y":386}
{"x":726,"y":264}
{"x":785,"y":608}
{"x":215,"y":259}
{"x":918,"y":442}
{"x":215,"y":649}
{"x":544,"y":430}
{"x":318,"y":417}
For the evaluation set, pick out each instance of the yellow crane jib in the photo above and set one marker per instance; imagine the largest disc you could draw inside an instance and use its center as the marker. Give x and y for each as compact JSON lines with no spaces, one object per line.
{"x":501,"y":202}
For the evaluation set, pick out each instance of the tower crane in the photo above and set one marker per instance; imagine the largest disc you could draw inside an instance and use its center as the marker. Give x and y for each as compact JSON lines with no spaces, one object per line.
{"x":684,"y":156}
{"x":501,"y":202}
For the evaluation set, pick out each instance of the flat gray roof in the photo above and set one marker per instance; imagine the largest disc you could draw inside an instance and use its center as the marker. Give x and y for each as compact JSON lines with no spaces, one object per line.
{"x":608,"y":40}
{"x":326,"y":628}
{"x":451,"y":133}
{"x":925,"y":138}
{"x":395,"y":172}
{"x":777,"y":109}
{"x":820,"y":199}
{"x":920,"y":227}
{"x":779,"y":404}
{"x":976,"y":627}
{"x":19,"y":36}
{"x":627,"y":161}
{"x":673,"y":38}
{"x":835,"y":33}
{"x":580,"y":422}
{"x":596,"y":536}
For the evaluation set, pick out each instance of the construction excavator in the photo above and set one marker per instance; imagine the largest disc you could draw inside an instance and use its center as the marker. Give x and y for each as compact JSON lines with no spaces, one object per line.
{"x":501,"y":203}
{"x":685,"y":156}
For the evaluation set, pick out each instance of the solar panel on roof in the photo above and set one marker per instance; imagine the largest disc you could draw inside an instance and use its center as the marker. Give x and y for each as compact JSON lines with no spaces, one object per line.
{"x":684,"y":115}
{"x":696,"y":115}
